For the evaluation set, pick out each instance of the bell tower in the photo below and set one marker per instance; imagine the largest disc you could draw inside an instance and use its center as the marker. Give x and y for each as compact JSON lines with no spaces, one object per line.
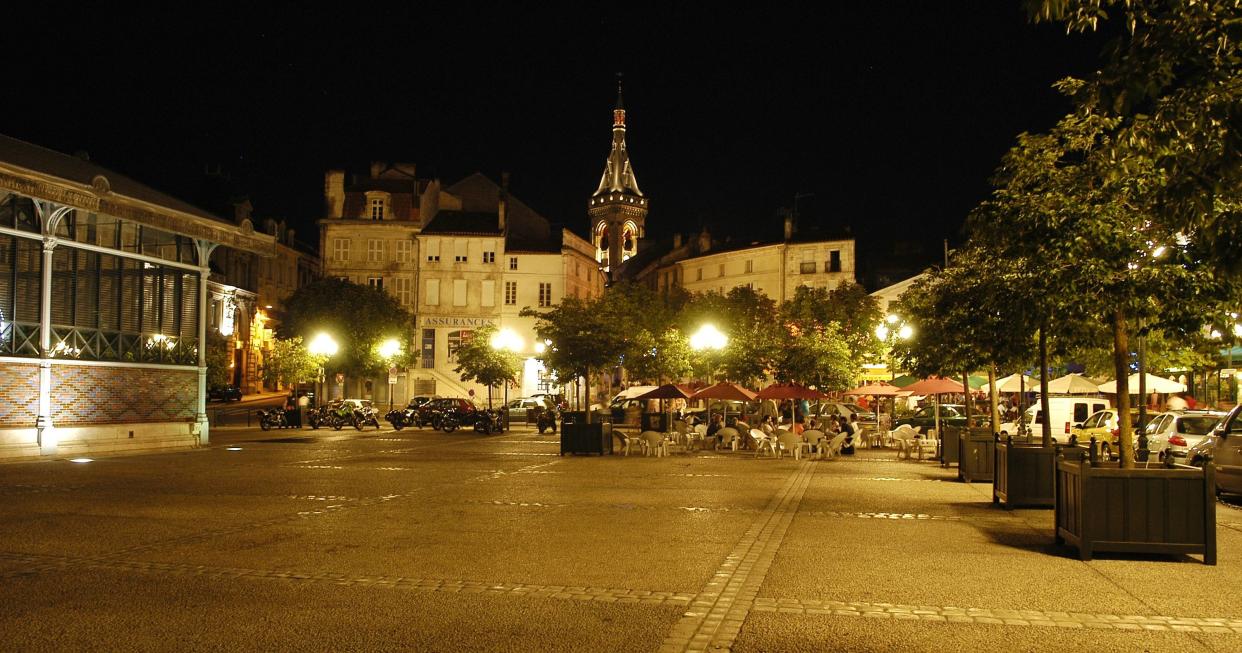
{"x":618,"y":209}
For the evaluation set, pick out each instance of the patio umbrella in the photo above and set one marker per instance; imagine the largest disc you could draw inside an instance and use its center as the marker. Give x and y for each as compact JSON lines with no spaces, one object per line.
{"x":1014,"y":383}
{"x":1073,"y":384}
{"x":1154,"y":384}
{"x":903,"y":380}
{"x":880,"y":390}
{"x":667,"y":391}
{"x":724,"y":391}
{"x":935,"y":387}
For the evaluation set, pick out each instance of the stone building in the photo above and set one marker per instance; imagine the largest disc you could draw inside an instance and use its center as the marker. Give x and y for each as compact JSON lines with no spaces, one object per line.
{"x":103,"y":303}
{"x":458,"y":257}
{"x":617,"y":208}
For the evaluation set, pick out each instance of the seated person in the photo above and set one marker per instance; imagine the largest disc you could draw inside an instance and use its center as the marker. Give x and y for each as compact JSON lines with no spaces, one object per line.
{"x":714,"y":427}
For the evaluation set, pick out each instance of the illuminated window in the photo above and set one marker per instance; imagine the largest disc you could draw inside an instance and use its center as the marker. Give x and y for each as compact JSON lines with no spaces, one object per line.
{"x":377,"y":209}
{"x":456,"y":339}
{"x":545,"y":294}
{"x":340,"y":249}
{"x":375,"y":250}
{"x":510,"y":293}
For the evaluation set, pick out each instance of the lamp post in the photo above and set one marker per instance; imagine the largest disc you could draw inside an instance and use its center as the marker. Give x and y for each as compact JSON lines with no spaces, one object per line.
{"x":388,"y":350}
{"x":709,"y":338}
{"x":323,"y":347}
{"x":893,"y":328}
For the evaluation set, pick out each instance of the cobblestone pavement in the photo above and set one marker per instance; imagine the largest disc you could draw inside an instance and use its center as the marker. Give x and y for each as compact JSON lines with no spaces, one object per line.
{"x":417,"y":540}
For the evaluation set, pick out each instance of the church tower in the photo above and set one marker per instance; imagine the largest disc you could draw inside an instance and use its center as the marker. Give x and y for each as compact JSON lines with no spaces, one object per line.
{"x":618,"y":210}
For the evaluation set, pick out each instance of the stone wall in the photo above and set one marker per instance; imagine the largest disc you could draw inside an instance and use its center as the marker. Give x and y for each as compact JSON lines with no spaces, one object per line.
{"x":83,"y":395}
{"x":19,"y":394}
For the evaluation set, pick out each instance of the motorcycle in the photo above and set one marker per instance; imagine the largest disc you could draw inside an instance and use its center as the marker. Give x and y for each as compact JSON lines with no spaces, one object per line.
{"x":272,"y":417}
{"x":448,"y":421}
{"x":488,"y":422}
{"x":547,"y":419}
{"x":401,"y":418}
{"x":364,"y":415}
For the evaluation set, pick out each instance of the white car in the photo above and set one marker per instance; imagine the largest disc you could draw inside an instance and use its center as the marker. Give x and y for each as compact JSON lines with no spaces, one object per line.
{"x":1176,"y":431}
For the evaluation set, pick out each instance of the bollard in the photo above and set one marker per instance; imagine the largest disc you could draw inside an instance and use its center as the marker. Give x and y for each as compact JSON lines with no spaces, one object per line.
{"x":1073,"y":440}
{"x":1142,"y":453}
{"x":1093,"y":453}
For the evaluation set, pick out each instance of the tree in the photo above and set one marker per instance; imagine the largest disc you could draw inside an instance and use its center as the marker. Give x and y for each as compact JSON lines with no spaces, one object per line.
{"x":289,"y":362}
{"x":666,"y":355}
{"x":818,"y":356}
{"x":219,"y":360}
{"x":479,"y":359}
{"x":359,"y":318}
{"x":855,"y":312}
{"x":752,"y":324}
{"x":586,"y":335}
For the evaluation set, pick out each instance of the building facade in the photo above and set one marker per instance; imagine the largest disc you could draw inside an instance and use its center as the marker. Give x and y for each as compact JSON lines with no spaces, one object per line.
{"x":103,"y":303}
{"x":617,"y":208}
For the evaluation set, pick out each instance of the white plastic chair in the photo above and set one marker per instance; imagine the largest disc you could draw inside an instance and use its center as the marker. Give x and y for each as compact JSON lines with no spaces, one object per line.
{"x":730,"y":435}
{"x":631,"y":440}
{"x":768,"y":443}
{"x":792,"y":443}
{"x":927,"y":444}
{"x":654,"y":442}
{"x":903,"y":438}
{"x":812,"y":441}
{"x":834,"y":446}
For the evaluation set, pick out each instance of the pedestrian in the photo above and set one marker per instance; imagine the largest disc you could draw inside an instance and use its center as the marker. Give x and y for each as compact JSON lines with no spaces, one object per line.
{"x":291,"y":412}
{"x":303,"y":404}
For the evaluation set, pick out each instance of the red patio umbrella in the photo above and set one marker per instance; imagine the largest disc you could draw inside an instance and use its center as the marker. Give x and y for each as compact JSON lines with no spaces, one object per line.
{"x":935,"y":387}
{"x":875,"y":390}
{"x":725,"y":391}
{"x":790,"y":391}
{"x":666,"y":391}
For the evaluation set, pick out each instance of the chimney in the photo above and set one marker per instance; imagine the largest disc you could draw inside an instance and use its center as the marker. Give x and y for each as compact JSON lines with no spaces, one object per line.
{"x":334,"y":193}
{"x":789,"y":228}
{"x":377,"y":167}
{"x":705,"y":241}
{"x":677,"y":240}
{"x":502,"y":207}
{"x":241,"y":210}
{"x":289,"y":235}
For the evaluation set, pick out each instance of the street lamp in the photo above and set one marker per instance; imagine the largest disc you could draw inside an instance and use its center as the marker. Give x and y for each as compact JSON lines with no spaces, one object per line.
{"x":323,"y":347}
{"x":388,"y":350}
{"x":891,"y":330}
{"x":708,"y":337}
{"x":507,"y":340}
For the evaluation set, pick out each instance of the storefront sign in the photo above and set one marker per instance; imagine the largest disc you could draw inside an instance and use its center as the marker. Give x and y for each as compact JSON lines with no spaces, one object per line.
{"x":457,"y":322}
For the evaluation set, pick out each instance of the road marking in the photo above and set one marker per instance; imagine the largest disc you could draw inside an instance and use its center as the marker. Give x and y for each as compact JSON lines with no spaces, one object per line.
{"x":716,"y":614}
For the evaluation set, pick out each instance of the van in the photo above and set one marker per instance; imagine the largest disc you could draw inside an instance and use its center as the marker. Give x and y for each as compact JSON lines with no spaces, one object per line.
{"x":1067,"y":412}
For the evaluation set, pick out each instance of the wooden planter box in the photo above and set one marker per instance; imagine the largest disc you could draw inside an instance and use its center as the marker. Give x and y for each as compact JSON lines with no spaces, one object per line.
{"x":950,"y":454}
{"x":1024,"y":475}
{"x":1153,"y":510}
{"x":976,"y":450}
{"x":586,"y":438}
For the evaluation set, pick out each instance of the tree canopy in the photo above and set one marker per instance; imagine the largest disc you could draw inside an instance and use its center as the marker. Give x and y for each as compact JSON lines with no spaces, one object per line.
{"x":290,"y":362}
{"x":479,"y":359}
{"x":358,"y":317}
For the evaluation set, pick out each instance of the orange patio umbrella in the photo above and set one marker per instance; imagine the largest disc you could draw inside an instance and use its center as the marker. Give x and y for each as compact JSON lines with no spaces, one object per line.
{"x":725,"y":391}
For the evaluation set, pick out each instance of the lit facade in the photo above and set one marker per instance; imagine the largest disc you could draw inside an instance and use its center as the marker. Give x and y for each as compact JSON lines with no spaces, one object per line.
{"x":103,"y":303}
{"x":617,"y":208}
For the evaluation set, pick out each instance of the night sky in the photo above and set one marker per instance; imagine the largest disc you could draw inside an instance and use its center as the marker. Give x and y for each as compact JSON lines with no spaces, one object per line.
{"x":892,"y":114}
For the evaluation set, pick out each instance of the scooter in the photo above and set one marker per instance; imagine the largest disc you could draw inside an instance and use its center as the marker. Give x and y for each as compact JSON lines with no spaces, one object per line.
{"x":488,"y":422}
{"x":547,"y":419}
{"x":272,"y":417}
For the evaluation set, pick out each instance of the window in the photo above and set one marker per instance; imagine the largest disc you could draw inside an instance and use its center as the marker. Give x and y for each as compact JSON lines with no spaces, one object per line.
{"x":340,"y":249}
{"x":487,"y":296}
{"x":510,"y":293}
{"x":545,"y":294}
{"x":512,"y":262}
{"x":433,"y":292}
{"x":459,"y":292}
{"x":459,"y":250}
{"x":401,"y":251}
{"x":834,"y":261}
{"x":807,"y":267}
{"x":402,"y":287}
{"x":1080,"y":412}
{"x":456,"y":339}
{"x":433,"y":250}
{"x":750,"y":266}
{"x":489,"y":257}
{"x":376,"y":282}
{"x":377,"y":209}
{"x":698,"y":274}
{"x":429,"y":348}
{"x":375,"y":250}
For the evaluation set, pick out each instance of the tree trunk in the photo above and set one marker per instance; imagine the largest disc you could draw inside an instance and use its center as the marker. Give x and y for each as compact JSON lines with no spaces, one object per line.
{"x":586,"y":380}
{"x":1044,"y":403}
{"x":993,"y":400}
{"x":1121,"y":367}
{"x":966,"y":398}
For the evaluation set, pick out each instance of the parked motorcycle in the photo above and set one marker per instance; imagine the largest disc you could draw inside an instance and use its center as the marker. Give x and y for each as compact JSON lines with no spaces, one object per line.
{"x":400,"y":418}
{"x":448,"y":421}
{"x":272,"y":418}
{"x":365,"y":415}
{"x":547,"y":419}
{"x":488,"y":422}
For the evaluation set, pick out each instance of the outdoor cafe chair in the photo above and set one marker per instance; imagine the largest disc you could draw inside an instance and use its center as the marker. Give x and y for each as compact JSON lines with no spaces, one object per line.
{"x":833,"y":448}
{"x":768,"y":443}
{"x":654,"y":442}
{"x":631,"y":440}
{"x":927,"y":444}
{"x":903,"y":437}
{"x":792,"y":443}
{"x":730,"y":435}
{"x":815,"y":440}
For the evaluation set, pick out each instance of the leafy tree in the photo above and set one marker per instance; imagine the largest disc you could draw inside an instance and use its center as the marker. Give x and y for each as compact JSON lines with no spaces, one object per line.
{"x":359,"y":318}
{"x":289,"y":362}
{"x":587,"y":336}
{"x":478,"y":360}
{"x":219,"y":358}
{"x":817,"y":356}
{"x":752,"y":324}
{"x":663,"y":356}
{"x":855,"y":312}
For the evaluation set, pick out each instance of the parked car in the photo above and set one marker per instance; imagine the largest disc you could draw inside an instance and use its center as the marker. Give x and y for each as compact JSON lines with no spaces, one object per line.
{"x":924,"y":418}
{"x":418,"y":400}
{"x":224,"y":393}
{"x":463,"y":409}
{"x":1101,"y":425}
{"x":1224,"y":446}
{"x":845,"y":410}
{"x":520,"y":408}
{"x":1177,"y":431}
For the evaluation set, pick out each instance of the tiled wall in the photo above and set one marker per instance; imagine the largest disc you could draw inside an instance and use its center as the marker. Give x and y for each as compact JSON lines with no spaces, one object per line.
{"x":103,"y":395}
{"x":19,"y":394}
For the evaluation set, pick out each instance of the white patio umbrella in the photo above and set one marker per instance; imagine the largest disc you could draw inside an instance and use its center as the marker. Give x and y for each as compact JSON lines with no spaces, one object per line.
{"x":1073,"y":384}
{"x":1154,"y":384}
{"x":1013,"y":383}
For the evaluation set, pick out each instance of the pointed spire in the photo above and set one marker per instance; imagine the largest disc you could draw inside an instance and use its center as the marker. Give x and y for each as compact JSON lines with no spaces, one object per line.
{"x":618,"y":114}
{"x":618,"y":175}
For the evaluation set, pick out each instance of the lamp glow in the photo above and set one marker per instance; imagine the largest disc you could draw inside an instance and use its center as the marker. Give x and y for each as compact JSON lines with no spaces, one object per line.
{"x":881,"y":332}
{"x":323,"y":345}
{"x":389,"y":349}
{"x":708,"y":337}
{"x":905,"y":332}
{"x":81,"y":460}
{"x":508,"y":339}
